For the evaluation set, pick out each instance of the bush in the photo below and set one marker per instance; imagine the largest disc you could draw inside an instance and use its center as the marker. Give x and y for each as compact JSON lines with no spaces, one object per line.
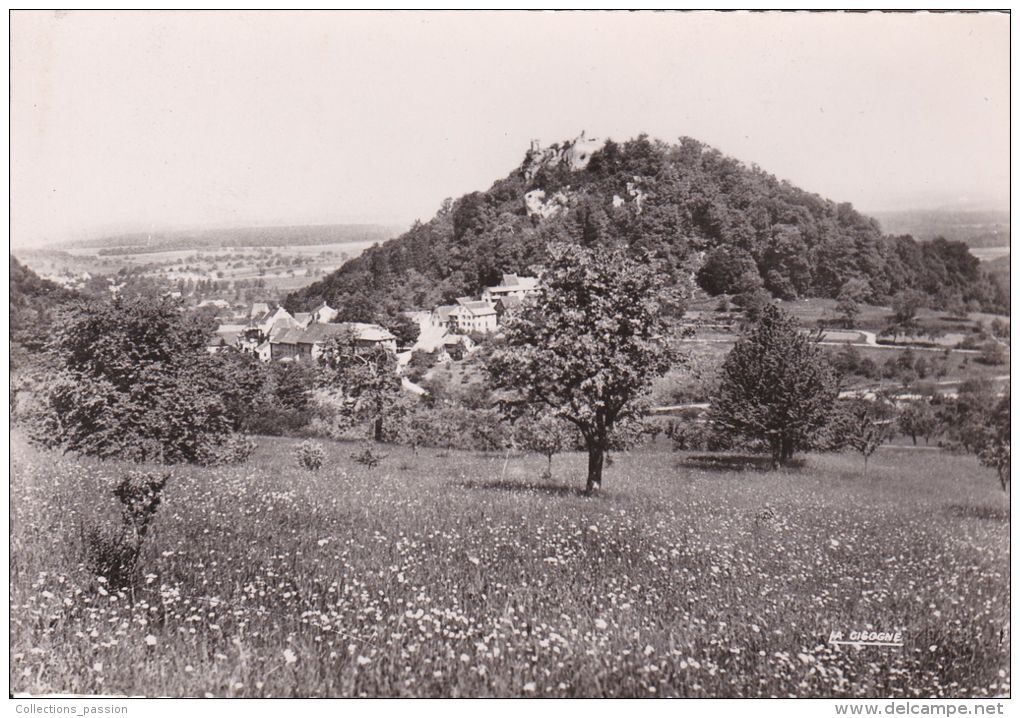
{"x":367,"y":458}
{"x":992,"y":353}
{"x":310,"y":456}
{"x":111,"y":553}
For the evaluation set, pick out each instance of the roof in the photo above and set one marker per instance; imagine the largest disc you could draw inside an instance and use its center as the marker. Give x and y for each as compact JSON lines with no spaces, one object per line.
{"x":258,"y":309}
{"x":475,"y":308}
{"x":443,"y":311}
{"x":513,"y":283}
{"x":323,"y":305}
{"x":302,"y":317}
{"x":510,"y":302}
{"x":319,"y":333}
{"x":282,"y":324}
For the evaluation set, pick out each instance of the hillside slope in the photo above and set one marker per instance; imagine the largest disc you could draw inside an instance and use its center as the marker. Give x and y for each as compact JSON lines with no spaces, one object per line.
{"x":685,"y":204}
{"x":35,"y":303}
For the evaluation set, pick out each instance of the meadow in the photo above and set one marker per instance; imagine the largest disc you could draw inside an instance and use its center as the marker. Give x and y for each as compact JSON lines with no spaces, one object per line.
{"x":445,"y":575}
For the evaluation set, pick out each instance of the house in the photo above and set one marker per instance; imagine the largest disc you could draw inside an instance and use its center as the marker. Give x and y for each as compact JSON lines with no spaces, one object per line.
{"x":440,"y":316}
{"x":264,"y":321}
{"x":303,"y":318}
{"x":511,"y":286}
{"x":471,"y":315}
{"x":296,"y":343}
{"x":323,"y":314}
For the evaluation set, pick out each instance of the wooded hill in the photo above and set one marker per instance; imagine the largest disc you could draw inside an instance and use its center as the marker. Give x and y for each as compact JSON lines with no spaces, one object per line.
{"x":692,"y":207}
{"x":35,"y":306}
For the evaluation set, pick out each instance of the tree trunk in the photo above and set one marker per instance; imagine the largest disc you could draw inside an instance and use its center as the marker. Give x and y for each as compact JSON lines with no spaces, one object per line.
{"x":777,"y":452}
{"x":914,"y":438}
{"x":378,"y":428}
{"x":787,"y":450}
{"x":596,"y":457}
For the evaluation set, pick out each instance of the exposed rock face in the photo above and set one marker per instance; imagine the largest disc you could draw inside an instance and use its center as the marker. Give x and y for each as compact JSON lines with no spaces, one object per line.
{"x":537,"y":204}
{"x":575,"y":154}
{"x":636,"y":192}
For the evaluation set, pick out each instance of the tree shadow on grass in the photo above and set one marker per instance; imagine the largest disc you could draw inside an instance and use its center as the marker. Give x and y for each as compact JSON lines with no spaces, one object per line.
{"x":522,"y":487}
{"x":986,"y":513}
{"x":734,"y":462}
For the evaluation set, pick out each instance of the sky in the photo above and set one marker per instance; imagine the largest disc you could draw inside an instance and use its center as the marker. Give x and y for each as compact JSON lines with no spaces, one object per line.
{"x":143,"y":121}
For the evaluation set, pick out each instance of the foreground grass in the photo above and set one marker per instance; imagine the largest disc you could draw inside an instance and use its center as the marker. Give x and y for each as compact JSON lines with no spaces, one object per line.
{"x":433,"y":576}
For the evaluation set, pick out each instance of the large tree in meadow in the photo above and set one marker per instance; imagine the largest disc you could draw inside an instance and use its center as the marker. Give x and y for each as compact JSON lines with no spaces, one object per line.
{"x":364,"y":379}
{"x":590,"y":343}
{"x":132,"y":380}
{"x":776,"y":387}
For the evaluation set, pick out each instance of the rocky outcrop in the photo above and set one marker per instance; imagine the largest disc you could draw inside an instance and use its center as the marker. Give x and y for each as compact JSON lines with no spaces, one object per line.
{"x":574,"y":154}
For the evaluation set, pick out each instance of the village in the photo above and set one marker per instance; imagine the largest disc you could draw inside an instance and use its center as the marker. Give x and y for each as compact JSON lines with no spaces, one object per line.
{"x":275,"y":335}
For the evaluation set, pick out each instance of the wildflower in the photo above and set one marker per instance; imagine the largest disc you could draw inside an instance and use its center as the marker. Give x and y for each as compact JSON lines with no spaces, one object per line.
{"x":364,"y":660}
{"x":529,"y":687}
{"x":288,"y":655}
{"x":601,"y":624}
{"x":150,"y":640}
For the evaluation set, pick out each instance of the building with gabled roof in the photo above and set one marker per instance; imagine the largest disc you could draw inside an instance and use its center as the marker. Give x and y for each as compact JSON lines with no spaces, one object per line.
{"x":323,"y":314}
{"x":472,"y":315}
{"x":295,"y":343}
{"x":511,"y":286}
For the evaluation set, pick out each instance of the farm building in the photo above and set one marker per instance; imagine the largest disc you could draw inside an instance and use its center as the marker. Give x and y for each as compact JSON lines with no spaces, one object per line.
{"x":511,"y":286}
{"x":295,"y":343}
{"x":472,"y":315}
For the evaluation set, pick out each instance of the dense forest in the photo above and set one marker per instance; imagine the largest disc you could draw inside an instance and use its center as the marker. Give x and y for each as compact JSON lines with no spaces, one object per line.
{"x":698,"y":211}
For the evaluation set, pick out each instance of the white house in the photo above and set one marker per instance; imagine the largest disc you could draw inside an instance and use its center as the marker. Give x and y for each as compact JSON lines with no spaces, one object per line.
{"x":323,"y":314}
{"x":511,"y":286}
{"x":472,"y":315}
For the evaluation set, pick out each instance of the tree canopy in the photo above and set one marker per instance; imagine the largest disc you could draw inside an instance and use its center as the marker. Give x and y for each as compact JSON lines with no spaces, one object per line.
{"x":686,"y":204}
{"x":776,"y":387}
{"x":132,"y":380}
{"x":588,"y":346}
{"x":363,"y":379}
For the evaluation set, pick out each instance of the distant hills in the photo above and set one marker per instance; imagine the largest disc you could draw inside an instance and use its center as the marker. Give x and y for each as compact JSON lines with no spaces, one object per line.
{"x":976,"y":228}
{"x":696,"y":210}
{"x":168,"y":241}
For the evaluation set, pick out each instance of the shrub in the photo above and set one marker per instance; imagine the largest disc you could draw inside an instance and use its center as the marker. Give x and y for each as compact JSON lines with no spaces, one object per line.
{"x":112,"y":553}
{"x":992,"y":353}
{"x":367,"y":458}
{"x":310,"y":456}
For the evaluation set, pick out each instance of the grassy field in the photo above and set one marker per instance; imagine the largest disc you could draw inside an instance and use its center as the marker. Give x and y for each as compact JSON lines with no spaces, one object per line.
{"x":432,"y":575}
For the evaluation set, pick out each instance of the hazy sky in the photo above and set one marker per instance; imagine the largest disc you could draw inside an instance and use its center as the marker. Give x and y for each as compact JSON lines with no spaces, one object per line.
{"x":150,"y":120}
